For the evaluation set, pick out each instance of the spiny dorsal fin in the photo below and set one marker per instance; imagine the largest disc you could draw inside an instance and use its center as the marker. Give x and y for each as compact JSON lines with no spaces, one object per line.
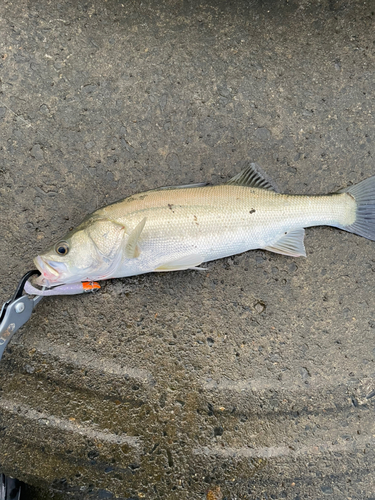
{"x":291,"y":243}
{"x":131,"y":247}
{"x":253,"y":176}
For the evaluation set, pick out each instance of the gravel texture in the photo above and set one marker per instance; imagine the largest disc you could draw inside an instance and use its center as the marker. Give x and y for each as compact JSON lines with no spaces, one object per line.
{"x":251,"y":380}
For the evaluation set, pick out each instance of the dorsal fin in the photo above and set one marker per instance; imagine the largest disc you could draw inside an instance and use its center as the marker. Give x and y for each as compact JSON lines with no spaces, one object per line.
{"x":253,"y":176}
{"x":186,"y":186}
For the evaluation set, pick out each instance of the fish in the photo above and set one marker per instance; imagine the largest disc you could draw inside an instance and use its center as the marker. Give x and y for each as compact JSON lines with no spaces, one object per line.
{"x":181,"y":227}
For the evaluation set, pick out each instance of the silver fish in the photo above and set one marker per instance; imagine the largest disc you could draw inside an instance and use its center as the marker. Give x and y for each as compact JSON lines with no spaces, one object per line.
{"x":176,"y":228}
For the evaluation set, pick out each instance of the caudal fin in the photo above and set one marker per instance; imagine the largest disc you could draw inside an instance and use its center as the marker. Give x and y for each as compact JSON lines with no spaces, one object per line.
{"x":364,"y":195}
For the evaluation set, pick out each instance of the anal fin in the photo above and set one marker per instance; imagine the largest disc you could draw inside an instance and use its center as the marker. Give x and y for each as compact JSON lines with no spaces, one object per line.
{"x":186,"y":262}
{"x":291,"y":243}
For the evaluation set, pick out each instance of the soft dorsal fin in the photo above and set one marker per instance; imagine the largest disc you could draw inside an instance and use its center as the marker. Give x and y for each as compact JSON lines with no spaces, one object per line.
{"x":253,"y":176}
{"x":131,"y":247}
{"x":186,"y":186}
{"x":291,"y":243}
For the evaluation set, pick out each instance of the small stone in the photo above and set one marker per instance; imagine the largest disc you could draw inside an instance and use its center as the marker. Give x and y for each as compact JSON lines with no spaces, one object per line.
{"x":327,"y":490}
{"x":89,"y":89}
{"x":304,"y":372}
{"x":262,"y":133}
{"x":37,"y":152}
{"x":163,"y":102}
{"x":259,"y":307}
{"x":102,"y":494}
{"x":44,"y":109}
{"x":223,"y":91}
{"x":214,"y":493}
{"x":173,"y":161}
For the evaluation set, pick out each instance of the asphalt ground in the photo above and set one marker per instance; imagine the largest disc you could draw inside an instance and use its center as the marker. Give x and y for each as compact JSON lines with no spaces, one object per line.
{"x":252,"y":380}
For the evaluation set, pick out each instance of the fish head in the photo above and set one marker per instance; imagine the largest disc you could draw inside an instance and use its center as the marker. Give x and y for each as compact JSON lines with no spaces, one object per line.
{"x":90,"y":252}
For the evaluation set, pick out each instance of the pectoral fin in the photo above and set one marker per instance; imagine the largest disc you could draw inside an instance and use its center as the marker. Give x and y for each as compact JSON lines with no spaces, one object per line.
{"x":291,"y":243}
{"x":131,"y":248}
{"x":187,"y":262}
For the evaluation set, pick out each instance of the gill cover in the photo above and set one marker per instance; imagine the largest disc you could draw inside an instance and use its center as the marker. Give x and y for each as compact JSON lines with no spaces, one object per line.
{"x":109,"y":238}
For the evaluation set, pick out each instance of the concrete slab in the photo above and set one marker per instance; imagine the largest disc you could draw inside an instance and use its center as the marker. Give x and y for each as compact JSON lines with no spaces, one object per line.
{"x":251,"y":380}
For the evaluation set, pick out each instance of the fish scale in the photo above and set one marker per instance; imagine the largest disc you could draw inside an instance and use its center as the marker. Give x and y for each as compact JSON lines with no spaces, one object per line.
{"x":217,"y":221}
{"x":178,"y":228}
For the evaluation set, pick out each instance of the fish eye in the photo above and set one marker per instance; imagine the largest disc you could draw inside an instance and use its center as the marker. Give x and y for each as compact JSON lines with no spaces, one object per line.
{"x":62,"y":248}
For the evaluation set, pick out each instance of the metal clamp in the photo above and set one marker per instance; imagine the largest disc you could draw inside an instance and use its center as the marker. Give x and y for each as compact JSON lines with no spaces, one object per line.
{"x":16,"y":312}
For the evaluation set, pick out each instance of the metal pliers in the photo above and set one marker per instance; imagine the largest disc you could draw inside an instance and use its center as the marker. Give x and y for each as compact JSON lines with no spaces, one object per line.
{"x":16,"y":311}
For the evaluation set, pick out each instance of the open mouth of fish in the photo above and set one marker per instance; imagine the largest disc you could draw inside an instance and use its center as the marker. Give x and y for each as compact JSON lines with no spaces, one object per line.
{"x":51,"y":272}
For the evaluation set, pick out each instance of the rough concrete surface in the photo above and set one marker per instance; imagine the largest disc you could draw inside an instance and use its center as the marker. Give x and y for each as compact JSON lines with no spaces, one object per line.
{"x":250,"y":380}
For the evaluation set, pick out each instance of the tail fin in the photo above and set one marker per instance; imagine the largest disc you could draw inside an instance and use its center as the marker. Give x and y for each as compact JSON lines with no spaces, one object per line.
{"x":364,"y":195}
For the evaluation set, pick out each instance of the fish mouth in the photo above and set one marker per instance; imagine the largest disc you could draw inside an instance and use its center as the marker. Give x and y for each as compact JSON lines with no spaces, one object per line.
{"x":51,"y":272}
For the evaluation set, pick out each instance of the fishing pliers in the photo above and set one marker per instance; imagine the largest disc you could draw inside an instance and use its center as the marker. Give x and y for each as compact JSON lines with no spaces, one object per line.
{"x":16,"y":311}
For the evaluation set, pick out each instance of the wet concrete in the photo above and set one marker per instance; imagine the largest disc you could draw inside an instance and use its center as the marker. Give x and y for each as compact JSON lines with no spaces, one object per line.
{"x":251,"y":380}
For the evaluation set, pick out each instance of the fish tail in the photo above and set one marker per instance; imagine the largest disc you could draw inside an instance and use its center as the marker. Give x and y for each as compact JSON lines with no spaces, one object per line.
{"x":364,"y":196}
